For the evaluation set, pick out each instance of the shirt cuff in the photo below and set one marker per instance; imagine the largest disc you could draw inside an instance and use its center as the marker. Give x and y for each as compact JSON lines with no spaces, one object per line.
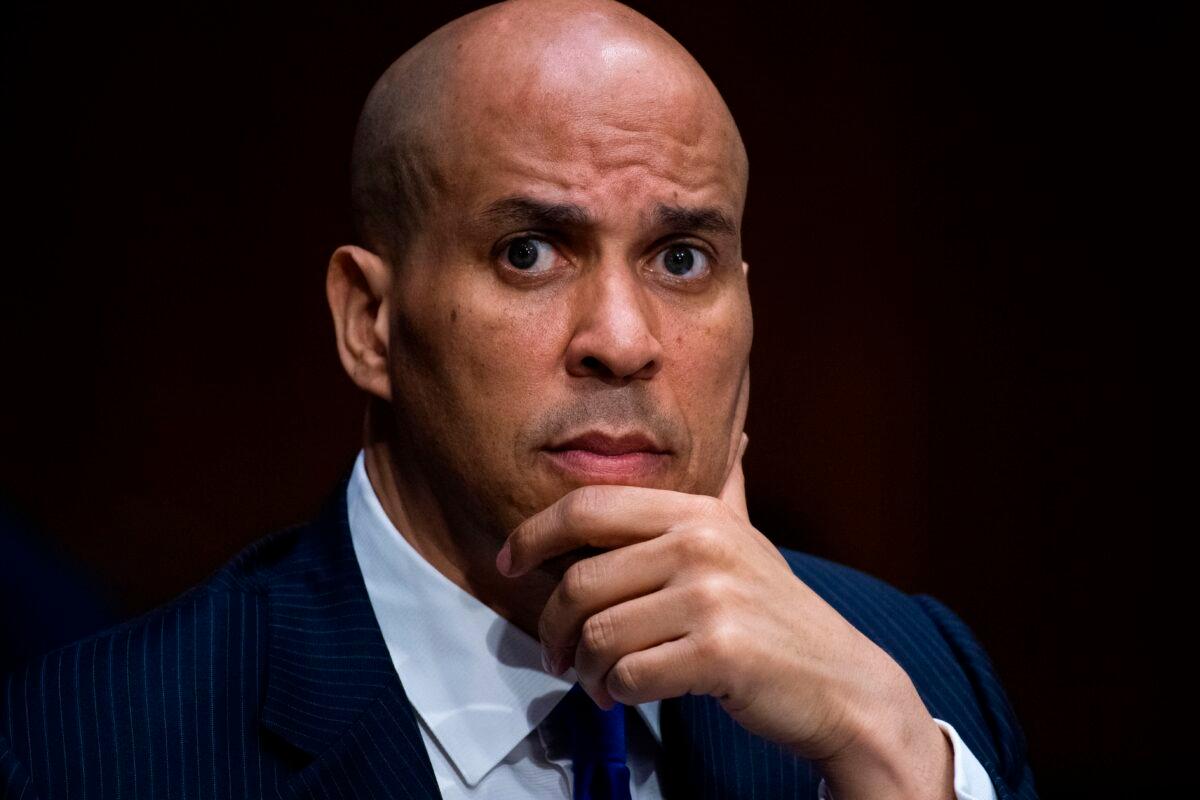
{"x":971,"y":781}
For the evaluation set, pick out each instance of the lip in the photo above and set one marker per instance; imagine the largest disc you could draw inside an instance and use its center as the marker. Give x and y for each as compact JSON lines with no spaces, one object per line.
{"x":596,"y":456}
{"x":609,"y":445}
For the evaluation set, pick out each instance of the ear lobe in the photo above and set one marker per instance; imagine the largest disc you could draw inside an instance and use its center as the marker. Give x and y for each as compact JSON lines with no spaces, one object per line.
{"x":746,"y":268}
{"x":358,"y":284}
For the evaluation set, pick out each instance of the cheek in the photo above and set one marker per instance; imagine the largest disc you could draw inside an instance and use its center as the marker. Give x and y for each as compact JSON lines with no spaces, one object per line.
{"x":504,"y":353}
{"x":706,"y":365}
{"x":502,"y":364}
{"x":705,"y":356}
{"x":493,"y":367}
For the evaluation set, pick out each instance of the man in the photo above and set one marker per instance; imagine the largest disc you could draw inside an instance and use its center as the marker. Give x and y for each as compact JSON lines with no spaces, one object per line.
{"x":549,"y":311}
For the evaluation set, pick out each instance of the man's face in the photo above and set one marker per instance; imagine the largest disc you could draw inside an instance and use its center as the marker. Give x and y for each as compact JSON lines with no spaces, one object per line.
{"x":579,"y":275}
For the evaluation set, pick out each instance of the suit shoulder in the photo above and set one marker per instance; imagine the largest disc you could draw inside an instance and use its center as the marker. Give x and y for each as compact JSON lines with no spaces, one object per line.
{"x":96,"y":709}
{"x":946,"y":663}
{"x":898,"y":622}
{"x":225,"y":603}
{"x":172,"y":651}
{"x":247,"y":573}
{"x":108,"y":696}
{"x":847,"y":588}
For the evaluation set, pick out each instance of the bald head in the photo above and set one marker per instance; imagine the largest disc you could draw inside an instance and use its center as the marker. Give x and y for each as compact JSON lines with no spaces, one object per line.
{"x":526,"y":63}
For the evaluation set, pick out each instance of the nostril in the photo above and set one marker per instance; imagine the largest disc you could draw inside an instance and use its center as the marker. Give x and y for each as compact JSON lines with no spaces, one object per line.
{"x":596,"y":365}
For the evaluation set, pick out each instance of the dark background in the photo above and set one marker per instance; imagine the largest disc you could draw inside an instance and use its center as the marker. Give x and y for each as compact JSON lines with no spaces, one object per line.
{"x":944,"y":377}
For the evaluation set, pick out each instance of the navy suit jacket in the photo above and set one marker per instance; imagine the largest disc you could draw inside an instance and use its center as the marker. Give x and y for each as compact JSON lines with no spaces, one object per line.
{"x":272,"y":679}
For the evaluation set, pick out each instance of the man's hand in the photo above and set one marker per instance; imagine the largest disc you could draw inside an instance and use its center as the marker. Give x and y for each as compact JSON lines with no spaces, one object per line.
{"x":690,"y":598}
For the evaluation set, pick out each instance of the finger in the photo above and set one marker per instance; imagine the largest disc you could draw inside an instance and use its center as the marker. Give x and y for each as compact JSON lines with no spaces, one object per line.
{"x":628,"y":627}
{"x":594,"y":584}
{"x":666,"y":670}
{"x":733,"y":493}
{"x":598,"y":515}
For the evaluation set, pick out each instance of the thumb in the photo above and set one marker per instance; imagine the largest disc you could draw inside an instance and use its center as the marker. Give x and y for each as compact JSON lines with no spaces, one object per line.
{"x":733,"y":493}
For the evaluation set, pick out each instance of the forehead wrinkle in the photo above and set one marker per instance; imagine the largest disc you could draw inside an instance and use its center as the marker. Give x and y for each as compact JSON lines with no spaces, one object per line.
{"x":587,"y":99}
{"x":575,"y":168}
{"x":597,"y":158}
{"x":584,"y":62}
{"x":582,"y":186}
{"x":604,"y":114}
{"x":624,"y":145}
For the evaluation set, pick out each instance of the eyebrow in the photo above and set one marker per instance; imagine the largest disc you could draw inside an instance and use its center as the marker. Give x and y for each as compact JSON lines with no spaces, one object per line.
{"x":711,"y":220}
{"x":521,"y":211}
{"x":529,"y":213}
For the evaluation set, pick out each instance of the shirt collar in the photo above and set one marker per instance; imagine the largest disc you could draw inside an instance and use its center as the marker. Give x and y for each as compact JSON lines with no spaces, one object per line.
{"x":475,"y":679}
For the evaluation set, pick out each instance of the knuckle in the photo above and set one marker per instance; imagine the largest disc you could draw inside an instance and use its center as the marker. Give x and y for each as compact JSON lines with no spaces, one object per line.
{"x":577,"y":582}
{"x":585,"y":503}
{"x":710,"y":593}
{"x":598,"y":633}
{"x":703,"y":543}
{"x":718,"y":643}
{"x":622,"y":680}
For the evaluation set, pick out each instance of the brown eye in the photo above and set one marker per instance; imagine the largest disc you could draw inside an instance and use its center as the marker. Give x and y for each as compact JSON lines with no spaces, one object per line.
{"x":685,"y":261}
{"x":526,"y":252}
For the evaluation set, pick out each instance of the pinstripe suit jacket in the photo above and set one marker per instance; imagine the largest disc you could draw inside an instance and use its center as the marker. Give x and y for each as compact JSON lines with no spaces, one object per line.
{"x":272,"y":680}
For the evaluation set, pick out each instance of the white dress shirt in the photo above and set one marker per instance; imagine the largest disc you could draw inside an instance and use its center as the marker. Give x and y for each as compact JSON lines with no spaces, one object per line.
{"x":478,"y":687}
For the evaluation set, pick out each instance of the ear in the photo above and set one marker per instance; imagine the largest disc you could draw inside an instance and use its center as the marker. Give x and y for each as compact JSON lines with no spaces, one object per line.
{"x":746,"y":268}
{"x":358,"y":286}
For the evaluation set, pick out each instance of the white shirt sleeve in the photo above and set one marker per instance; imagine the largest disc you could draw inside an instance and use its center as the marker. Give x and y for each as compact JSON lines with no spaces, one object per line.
{"x":971,"y":781}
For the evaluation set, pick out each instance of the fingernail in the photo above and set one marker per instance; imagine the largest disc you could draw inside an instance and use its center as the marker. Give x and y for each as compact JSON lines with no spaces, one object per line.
{"x":504,"y":559}
{"x":604,"y":702}
{"x":555,"y":661}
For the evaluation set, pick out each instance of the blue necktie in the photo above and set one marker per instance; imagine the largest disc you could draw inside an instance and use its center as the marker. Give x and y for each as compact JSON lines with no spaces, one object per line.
{"x":597,"y":746}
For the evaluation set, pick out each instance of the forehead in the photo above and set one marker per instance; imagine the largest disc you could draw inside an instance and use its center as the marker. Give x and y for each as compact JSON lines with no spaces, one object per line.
{"x":619,"y":130}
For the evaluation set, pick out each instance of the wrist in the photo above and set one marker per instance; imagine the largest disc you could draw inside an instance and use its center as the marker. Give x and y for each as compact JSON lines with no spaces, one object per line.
{"x":895,"y":750}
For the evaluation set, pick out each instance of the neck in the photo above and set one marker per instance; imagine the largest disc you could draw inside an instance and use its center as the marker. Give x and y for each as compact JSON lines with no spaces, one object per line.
{"x":462,"y":549}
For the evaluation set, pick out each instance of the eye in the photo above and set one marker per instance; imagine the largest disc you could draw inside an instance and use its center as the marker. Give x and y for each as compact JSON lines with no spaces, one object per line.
{"x":529,"y":254}
{"x":685,"y":261}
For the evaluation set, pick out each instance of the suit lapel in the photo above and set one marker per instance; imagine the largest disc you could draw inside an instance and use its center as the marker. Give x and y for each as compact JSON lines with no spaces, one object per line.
{"x":331,"y":689}
{"x":332,"y":693}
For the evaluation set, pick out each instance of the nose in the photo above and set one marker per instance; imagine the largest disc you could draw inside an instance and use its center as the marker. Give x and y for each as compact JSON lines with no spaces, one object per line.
{"x":614,"y":338}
